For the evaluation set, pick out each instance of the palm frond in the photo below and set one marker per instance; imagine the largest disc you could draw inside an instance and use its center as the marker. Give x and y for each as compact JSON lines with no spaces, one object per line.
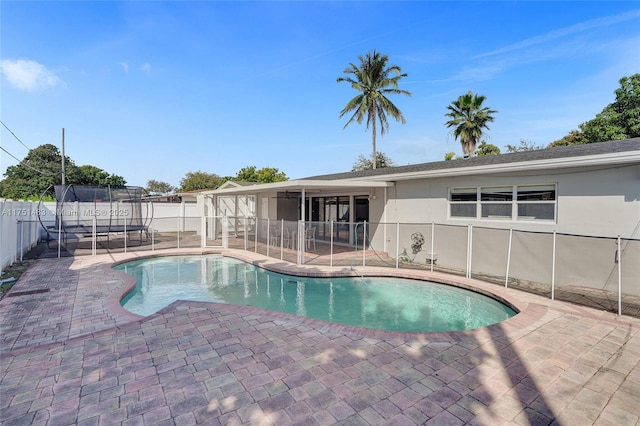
{"x":374,"y":80}
{"x":469,"y":120}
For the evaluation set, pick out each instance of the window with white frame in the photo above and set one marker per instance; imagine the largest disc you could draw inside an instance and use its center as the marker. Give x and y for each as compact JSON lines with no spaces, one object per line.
{"x":496,"y":202}
{"x":463,"y":202}
{"x":536,"y":202}
{"x":515,"y":202}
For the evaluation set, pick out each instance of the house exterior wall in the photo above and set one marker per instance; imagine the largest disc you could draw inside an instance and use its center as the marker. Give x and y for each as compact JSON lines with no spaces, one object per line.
{"x":602,"y":203}
{"x":590,"y":203}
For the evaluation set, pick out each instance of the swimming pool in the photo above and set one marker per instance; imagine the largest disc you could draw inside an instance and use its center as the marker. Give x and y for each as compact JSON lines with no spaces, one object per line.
{"x":380,"y":303}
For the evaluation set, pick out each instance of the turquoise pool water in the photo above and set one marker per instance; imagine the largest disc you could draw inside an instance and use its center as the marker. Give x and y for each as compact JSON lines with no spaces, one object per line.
{"x":374,"y":302}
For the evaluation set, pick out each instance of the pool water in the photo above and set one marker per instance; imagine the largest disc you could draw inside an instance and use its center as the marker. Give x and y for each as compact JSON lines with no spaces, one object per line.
{"x":373,"y":302}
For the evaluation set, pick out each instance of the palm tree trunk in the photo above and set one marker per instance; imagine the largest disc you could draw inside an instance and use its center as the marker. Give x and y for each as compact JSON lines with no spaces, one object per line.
{"x":372,"y":113}
{"x":471,"y":147}
{"x":374,"y":159}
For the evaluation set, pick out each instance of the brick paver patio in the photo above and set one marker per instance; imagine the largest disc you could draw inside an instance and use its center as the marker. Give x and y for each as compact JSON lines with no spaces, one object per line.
{"x":72,"y":355}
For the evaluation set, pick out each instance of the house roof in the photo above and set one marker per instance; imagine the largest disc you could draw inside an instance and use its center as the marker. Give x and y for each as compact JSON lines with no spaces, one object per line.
{"x":576,"y":155}
{"x":235,"y":184}
{"x":612,"y":153}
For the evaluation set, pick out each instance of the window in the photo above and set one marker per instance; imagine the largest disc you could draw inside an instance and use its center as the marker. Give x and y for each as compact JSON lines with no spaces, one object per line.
{"x":537,"y":202}
{"x":463,"y":202}
{"x":497,"y":203}
{"x":521,"y":202}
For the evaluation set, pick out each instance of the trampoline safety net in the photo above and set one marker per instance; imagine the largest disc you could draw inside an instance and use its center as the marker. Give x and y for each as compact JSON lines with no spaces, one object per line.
{"x":112,"y":209}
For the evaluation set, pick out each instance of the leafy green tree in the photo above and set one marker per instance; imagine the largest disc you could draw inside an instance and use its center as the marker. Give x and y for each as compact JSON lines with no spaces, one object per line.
{"x":92,"y":175}
{"x":263,"y":175}
{"x":42,"y":167}
{"x":469,"y":119}
{"x":621,"y":118}
{"x":618,"y":120}
{"x":574,"y":137}
{"x":247,"y":174}
{"x":485,"y":148}
{"x":524,"y":145}
{"x":375,"y":81}
{"x":159,"y":187}
{"x":364,"y":163}
{"x":270,"y":175}
{"x":200,"y":180}
{"x":449,"y":156}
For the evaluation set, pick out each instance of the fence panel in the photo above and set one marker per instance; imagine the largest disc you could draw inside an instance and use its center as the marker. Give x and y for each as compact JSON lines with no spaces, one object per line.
{"x":163,"y":232}
{"x":18,"y":230}
{"x":451,"y":244}
{"x":630,"y":268}
{"x":213,"y":231}
{"x":630,"y":277}
{"x":316,"y":251}
{"x":414,"y":245}
{"x":8,"y":232}
{"x":190,"y":233}
{"x":380,"y":249}
{"x":265,"y":230}
{"x":586,"y":270}
{"x":531,"y":262}
{"x":490,"y":250}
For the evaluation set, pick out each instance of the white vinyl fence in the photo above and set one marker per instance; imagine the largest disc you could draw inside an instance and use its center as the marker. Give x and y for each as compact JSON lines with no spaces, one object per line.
{"x":19,"y":230}
{"x":21,"y":225}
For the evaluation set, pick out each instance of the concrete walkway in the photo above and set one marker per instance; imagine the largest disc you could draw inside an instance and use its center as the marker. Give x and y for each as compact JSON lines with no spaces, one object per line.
{"x":72,"y":355}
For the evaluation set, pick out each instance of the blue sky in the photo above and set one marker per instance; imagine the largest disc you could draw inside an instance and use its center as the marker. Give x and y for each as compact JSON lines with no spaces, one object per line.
{"x":153,"y":90}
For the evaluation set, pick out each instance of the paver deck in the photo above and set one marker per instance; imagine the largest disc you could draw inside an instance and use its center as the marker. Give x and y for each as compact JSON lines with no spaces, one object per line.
{"x":72,"y":355}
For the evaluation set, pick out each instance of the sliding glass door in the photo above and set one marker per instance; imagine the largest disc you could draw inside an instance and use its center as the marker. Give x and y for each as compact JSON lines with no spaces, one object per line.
{"x":324,"y":210}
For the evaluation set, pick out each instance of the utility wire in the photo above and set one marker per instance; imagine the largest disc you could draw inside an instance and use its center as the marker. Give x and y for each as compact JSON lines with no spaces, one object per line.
{"x":18,"y":139}
{"x":22,"y":161}
{"x":14,"y":135}
{"x":28,"y":166}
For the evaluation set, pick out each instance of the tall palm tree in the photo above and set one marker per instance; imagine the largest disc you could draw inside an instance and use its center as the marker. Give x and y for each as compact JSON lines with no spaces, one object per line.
{"x":469,"y":119}
{"x":374,"y":81}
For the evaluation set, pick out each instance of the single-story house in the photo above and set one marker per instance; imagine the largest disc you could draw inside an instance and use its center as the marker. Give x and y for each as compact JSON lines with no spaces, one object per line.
{"x":591,"y":189}
{"x":561,"y":216}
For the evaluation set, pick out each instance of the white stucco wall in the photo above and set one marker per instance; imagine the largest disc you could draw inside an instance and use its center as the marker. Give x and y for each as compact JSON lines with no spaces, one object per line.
{"x":603,"y":202}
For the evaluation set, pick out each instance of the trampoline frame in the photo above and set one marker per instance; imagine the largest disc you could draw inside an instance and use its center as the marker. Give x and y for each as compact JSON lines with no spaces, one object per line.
{"x":93,"y":210}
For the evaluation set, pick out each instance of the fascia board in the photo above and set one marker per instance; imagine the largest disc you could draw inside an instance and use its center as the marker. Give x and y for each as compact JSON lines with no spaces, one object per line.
{"x":547,"y":164}
{"x":300,"y":184}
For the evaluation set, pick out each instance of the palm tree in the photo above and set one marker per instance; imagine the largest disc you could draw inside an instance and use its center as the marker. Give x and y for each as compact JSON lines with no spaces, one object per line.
{"x":374,"y":81}
{"x":469,"y":119}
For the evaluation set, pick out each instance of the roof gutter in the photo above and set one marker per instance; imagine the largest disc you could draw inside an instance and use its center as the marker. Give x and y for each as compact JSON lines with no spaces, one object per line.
{"x":614,"y":159}
{"x":302,"y":184}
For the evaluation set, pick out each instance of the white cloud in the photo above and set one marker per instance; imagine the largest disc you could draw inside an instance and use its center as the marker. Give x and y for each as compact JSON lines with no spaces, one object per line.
{"x":146,"y":68}
{"x":125,"y":66}
{"x":28,"y":75}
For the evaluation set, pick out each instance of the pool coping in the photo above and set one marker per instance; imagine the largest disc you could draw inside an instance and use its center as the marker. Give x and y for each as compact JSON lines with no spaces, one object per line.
{"x":527,"y":312}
